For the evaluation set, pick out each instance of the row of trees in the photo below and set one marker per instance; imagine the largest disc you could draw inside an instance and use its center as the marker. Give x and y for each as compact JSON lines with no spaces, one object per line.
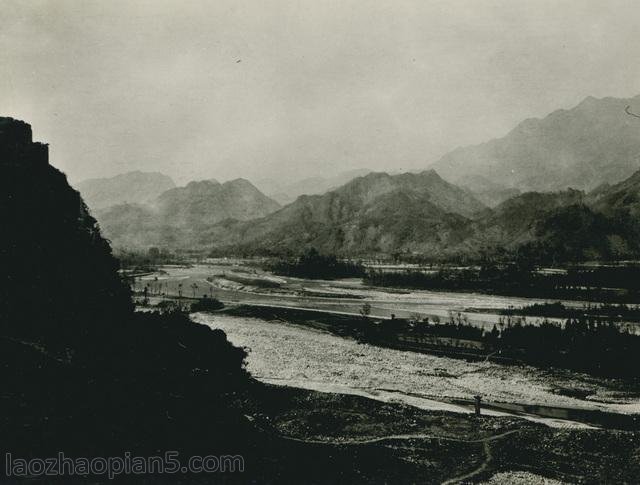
{"x":138,"y":260}
{"x":157,"y":287}
{"x":613,"y":284}
{"x":312,"y":264}
{"x":615,"y":312}
{"x":587,"y":344}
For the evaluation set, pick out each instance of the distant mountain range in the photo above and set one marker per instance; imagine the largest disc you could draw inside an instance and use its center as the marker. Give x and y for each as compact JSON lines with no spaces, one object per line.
{"x":380,"y":214}
{"x":416,"y":214}
{"x":593,"y":143}
{"x":178,"y":211}
{"x":286,"y":192}
{"x":556,"y":227}
{"x":131,"y":187}
{"x":374,"y":214}
{"x":550,"y":189}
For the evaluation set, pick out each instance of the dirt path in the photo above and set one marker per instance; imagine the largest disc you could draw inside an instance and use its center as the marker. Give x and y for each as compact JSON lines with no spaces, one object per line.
{"x":391,"y":437}
{"x":378,"y":439}
{"x":483,"y":466}
{"x":411,"y":436}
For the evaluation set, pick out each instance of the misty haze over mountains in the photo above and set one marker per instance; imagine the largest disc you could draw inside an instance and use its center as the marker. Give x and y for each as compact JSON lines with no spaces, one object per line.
{"x":190,"y":208}
{"x":377,"y":213}
{"x":583,"y":147}
{"x":501,"y":195}
{"x":132,"y":187}
{"x":286,"y":191}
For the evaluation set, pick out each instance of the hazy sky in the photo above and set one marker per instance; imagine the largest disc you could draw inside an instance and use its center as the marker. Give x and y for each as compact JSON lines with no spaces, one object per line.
{"x":283,"y":88}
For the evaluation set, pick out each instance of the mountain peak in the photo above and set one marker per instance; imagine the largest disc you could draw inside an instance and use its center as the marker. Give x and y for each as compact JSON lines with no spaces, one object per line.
{"x":592,"y":143}
{"x":201,"y":184}
{"x":375,"y":213}
{"x":240,"y":183}
{"x":588,"y":100}
{"x":431,"y":173}
{"x":197,"y":205}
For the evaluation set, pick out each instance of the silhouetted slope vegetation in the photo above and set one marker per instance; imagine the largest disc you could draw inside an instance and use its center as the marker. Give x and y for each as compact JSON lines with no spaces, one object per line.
{"x":84,"y":375}
{"x":59,"y":272}
{"x":81,"y":372}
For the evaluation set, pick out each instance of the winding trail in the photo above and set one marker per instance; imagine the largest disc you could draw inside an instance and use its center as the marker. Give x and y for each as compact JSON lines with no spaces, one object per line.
{"x":412,"y":436}
{"x":483,"y":466}
{"x":391,"y":437}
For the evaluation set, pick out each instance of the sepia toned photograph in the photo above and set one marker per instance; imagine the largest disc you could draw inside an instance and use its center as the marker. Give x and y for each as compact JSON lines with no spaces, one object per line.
{"x":319,"y":242}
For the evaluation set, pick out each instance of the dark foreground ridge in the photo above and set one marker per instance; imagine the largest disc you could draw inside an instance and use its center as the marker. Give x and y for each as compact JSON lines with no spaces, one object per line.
{"x":84,"y":375}
{"x":81,"y":372}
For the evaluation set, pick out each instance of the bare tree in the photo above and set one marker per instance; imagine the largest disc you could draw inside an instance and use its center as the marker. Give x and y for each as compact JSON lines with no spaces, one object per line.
{"x":365,"y":310}
{"x":415,"y":317}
